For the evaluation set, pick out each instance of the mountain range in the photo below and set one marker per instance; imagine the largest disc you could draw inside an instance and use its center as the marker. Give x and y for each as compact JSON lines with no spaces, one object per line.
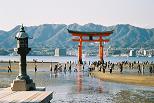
{"x":56,"y":35}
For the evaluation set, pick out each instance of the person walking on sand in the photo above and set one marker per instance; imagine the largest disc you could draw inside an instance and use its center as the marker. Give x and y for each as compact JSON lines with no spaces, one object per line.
{"x":99,"y":67}
{"x":35,"y":68}
{"x":89,"y":62}
{"x":56,"y":69}
{"x":121,"y":67}
{"x":104,"y":67}
{"x":110,"y":68}
{"x":153,"y":68}
{"x":60,"y":68}
{"x":51,"y":67}
{"x":139,"y":68}
{"x":65,"y":68}
{"x":132,"y":65}
{"x":83,"y":68}
{"x":9,"y":67}
{"x":70,"y":67}
{"x":143,"y":69}
{"x":150,"y":69}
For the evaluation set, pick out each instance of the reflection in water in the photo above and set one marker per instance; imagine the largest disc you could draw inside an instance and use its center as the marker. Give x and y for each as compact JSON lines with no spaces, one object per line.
{"x":56,"y":75}
{"x":100,"y":88}
{"x":92,"y":85}
{"x":53,"y":75}
{"x":50,"y":75}
{"x":79,"y":80}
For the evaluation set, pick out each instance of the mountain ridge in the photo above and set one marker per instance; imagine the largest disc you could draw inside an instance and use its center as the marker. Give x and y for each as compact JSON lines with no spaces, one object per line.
{"x":56,"y":35}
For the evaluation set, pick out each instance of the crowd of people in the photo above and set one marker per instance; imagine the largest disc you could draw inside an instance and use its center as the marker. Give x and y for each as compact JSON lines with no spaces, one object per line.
{"x":103,"y":66}
{"x":108,"y":66}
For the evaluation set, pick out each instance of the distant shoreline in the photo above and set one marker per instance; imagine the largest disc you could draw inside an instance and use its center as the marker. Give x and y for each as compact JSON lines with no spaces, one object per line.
{"x":64,"y":59}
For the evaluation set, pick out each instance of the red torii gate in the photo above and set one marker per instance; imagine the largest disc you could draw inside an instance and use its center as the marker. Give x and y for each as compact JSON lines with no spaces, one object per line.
{"x":90,"y":35}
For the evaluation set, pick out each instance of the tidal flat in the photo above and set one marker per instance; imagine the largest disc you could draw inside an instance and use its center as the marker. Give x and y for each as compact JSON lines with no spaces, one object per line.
{"x":80,"y":87}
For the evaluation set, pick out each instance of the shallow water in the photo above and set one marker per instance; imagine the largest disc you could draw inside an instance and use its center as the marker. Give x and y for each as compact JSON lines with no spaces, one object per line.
{"x":79,"y":87}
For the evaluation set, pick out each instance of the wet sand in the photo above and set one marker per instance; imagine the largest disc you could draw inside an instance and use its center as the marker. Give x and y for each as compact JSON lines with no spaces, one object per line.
{"x":7,"y":78}
{"x":30,"y":65}
{"x":145,"y":80}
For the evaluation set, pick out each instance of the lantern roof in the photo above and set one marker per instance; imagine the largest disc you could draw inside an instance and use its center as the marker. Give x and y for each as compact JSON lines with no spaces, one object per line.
{"x":22,"y":34}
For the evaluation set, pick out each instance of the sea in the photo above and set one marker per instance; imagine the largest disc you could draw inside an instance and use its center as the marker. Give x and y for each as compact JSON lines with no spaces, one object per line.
{"x":75,"y":59}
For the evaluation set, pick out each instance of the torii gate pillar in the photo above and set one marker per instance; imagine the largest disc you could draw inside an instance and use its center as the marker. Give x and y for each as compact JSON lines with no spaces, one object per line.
{"x":101,"y":52}
{"x":80,"y":51}
{"x":101,"y":49}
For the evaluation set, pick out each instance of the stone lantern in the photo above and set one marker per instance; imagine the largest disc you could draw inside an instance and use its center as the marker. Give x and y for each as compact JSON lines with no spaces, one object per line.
{"x":22,"y":81}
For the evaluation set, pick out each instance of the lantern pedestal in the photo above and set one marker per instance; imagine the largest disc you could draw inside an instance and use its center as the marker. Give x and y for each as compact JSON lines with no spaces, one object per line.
{"x":21,"y":85}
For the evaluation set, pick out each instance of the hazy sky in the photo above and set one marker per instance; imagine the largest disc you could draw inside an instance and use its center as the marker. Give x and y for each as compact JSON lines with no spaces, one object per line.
{"x":106,"y":12}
